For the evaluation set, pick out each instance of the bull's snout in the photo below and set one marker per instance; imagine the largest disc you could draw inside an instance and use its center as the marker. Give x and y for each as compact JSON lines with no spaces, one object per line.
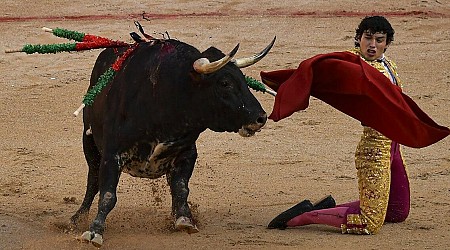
{"x":262,"y":119}
{"x":252,"y":128}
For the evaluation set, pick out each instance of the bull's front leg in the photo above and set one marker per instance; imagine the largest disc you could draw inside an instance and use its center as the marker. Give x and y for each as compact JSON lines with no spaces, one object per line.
{"x":178,"y":180}
{"x":108,"y":180}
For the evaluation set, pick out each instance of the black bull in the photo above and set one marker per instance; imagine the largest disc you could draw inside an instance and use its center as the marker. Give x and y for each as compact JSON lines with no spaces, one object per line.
{"x":146,"y":121}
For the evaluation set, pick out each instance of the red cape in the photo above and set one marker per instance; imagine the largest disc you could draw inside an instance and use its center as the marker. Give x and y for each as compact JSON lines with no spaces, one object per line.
{"x":349,"y":84}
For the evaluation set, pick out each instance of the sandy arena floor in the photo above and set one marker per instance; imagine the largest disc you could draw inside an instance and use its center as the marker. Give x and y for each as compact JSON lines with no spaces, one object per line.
{"x":239,"y":184}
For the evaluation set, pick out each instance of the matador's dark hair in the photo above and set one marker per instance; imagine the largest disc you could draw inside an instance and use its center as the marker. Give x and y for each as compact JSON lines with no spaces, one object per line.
{"x":374,"y":24}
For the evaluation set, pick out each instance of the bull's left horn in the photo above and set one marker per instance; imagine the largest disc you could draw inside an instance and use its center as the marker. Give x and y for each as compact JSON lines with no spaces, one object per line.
{"x":245,"y":62}
{"x":204,"y":66}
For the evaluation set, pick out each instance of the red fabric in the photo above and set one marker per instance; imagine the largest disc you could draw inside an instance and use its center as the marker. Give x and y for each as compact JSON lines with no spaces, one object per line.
{"x":349,"y":84}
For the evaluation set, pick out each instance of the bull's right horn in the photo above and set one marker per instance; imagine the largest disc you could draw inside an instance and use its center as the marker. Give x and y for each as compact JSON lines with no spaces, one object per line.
{"x":204,"y":66}
{"x":245,"y":62}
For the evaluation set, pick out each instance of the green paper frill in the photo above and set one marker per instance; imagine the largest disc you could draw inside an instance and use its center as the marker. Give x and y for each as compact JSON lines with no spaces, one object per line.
{"x":48,"y":48}
{"x":255,"y":84}
{"x":103,"y":80}
{"x":69,"y":34}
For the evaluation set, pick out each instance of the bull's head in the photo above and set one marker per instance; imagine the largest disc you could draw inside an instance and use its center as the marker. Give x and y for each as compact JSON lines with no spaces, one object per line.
{"x":237,"y":109}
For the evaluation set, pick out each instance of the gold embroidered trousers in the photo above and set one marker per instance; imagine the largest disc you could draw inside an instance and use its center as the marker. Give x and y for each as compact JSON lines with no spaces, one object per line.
{"x":372,"y":160}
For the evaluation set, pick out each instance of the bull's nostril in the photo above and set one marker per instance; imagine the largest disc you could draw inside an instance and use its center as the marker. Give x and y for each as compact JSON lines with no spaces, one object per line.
{"x":262,"y":119}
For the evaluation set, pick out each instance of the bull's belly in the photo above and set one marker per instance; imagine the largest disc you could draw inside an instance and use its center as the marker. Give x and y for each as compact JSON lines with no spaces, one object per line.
{"x":151,"y":166}
{"x":146,"y":169}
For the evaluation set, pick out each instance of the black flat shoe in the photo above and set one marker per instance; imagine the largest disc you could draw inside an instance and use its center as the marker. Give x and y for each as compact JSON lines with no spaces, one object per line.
{"x":326,"y":202}
{"x":281,"y":220}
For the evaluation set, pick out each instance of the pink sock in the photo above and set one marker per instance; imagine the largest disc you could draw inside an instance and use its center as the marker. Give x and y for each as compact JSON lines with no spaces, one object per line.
{"x":354,"y":205}
{"x":330,"y":216}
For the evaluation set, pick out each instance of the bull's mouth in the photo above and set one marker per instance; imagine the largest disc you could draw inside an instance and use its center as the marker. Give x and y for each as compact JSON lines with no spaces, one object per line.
{"x":249,"y":130}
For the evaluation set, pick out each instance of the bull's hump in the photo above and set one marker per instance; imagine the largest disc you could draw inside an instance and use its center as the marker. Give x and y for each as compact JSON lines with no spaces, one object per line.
{"x":151,"y":162}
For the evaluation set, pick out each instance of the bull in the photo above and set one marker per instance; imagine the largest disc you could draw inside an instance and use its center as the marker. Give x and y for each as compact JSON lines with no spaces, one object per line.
{"x":146,"y":121}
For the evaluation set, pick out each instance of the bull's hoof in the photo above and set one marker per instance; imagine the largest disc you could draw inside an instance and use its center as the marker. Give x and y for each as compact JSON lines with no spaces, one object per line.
{"x":94,"y":238}
{"x":185,"y":224}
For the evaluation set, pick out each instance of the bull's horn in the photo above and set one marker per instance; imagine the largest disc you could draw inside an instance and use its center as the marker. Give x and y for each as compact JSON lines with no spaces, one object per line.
{"x":204,"y":66}
{"x":245,"y":62}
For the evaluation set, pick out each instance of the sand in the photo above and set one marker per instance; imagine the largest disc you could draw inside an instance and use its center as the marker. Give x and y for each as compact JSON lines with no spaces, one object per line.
{"x":239,"y":184}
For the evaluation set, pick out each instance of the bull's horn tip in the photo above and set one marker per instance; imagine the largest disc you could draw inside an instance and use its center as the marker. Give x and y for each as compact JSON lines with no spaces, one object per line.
{"x":273,"y":41}
{"x":233,"y":52}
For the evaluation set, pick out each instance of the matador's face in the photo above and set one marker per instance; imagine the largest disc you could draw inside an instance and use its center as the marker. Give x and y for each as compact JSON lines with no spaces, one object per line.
{"x":373,"y":45}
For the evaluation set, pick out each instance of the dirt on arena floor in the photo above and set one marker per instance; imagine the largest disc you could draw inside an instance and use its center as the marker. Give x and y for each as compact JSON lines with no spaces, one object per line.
{"x":239,"y":184}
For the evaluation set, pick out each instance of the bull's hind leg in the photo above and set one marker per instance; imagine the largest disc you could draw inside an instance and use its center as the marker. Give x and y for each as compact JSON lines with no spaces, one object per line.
{"x":92,"y":157}
{"x":178,"y":180}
